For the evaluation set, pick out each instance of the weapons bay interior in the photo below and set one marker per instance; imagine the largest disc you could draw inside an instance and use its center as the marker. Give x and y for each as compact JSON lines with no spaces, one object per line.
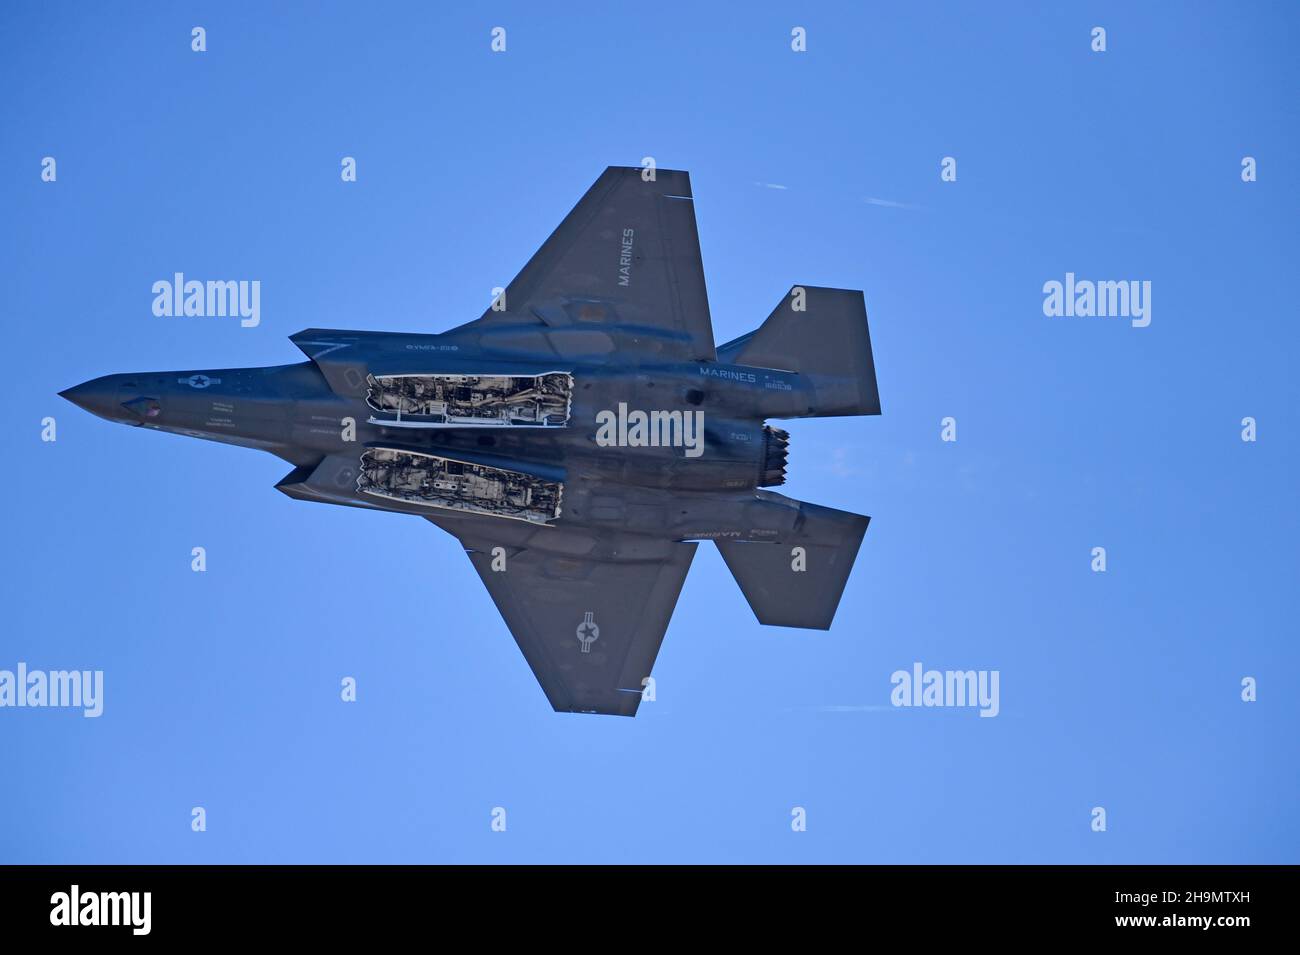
{"x":538,"y":401}
{"x":433,"y":481}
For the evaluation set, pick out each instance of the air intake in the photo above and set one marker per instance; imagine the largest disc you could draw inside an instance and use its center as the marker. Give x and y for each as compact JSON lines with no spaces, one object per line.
{"x":775,"y":445}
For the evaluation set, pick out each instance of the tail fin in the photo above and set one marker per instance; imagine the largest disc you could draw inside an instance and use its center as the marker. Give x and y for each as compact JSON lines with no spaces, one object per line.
{"x":799,"y":583}
{"x":820,"y":333}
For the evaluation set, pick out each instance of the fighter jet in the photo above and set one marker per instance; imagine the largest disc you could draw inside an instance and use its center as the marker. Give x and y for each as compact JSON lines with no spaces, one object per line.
{"x":579,"y":438}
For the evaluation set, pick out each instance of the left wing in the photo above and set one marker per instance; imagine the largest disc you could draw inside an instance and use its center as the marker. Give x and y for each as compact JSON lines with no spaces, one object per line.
{"x":589,"y":621}
{"x":628,"y":254}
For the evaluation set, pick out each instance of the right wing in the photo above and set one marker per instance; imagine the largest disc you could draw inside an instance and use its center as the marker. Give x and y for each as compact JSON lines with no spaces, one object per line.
{"x":589,"y":622}
{"x":628,"y":253}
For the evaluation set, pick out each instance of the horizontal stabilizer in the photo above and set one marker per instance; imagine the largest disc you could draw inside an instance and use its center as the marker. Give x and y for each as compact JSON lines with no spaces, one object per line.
{"x":799,"y":583}
{"x":822,"y":334}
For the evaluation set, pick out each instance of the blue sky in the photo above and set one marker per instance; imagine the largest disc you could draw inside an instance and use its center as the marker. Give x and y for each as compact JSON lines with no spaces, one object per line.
{"x":1120,"y":690}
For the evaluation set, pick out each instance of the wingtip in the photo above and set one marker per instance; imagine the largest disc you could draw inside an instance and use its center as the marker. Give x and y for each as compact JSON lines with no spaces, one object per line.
{"x":675,"y":182}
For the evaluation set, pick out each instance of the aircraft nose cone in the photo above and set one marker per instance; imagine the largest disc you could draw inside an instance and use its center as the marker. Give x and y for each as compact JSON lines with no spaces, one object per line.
{"x":98,"y":396}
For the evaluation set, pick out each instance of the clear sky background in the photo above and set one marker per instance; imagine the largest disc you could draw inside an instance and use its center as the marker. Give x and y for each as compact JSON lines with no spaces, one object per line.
{"x":1120,"y":690}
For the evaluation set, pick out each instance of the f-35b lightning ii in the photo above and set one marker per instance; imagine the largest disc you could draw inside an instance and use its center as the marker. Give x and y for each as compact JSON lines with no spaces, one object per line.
{"x":578,"y":439}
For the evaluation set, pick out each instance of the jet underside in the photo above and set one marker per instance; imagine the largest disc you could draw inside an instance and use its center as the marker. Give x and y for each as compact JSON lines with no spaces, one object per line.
{"x":578,"y":439}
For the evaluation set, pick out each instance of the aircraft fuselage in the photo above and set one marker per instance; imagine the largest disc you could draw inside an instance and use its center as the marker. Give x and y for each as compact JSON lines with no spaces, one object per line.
{"x":672,"y":449}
